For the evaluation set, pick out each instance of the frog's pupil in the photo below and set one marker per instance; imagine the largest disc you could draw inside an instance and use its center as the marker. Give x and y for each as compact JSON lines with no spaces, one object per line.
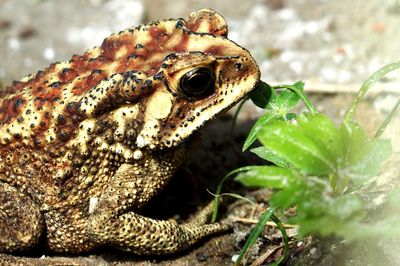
{"x":197,"y":83}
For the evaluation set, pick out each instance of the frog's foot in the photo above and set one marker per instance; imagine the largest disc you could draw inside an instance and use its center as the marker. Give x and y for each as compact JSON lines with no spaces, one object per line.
{"x":143,"y":235}
{"x":204,"y":215}
{"x":21,"y":222}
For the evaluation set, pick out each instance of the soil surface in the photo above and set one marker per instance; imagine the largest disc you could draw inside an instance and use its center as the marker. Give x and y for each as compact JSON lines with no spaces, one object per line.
{"x":332,"y":45}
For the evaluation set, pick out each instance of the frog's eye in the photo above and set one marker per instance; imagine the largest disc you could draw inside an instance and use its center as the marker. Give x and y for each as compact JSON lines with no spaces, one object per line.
{"x":198,"y":82}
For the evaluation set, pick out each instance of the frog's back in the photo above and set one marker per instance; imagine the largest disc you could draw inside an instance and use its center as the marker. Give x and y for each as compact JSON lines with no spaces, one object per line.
{"x":49,"y":102}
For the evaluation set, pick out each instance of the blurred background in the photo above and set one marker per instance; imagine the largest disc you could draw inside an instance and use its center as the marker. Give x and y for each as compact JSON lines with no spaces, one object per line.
{"x":329,"y":42}
{"x":332,"y":45}
{"x":335,"y":42}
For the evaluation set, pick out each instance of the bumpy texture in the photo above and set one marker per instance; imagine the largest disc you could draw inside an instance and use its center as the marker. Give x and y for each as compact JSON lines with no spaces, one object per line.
{"x":85,"y":144}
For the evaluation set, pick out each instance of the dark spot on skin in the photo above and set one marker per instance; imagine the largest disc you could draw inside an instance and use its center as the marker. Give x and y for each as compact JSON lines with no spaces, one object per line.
{"x":61,"y":119}
{"x":20,"y":119}
{"x":97,"y":71}
{"x":63,"y":135}
{"x":158,"y":76}
{"x":36,"y":141}
{"x":146,"y":85}
{"x":55,"y":84}
{"x":17,"y":104}
{"x":132,"y":56}
{"x":139,"y":46}
{"x":73,"y":107}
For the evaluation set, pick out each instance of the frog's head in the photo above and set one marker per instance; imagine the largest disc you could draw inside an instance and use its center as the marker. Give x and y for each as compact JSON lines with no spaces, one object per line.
{"x":203,"y":75}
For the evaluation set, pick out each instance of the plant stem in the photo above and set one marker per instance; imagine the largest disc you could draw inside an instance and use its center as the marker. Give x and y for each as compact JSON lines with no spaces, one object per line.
{"x":285,"y":238}
{"x":368,"y":84}
{"x":383,"y":126}
{"x":219,"y":189}
{"x":255,"y":232}
{"x":301,"y":95}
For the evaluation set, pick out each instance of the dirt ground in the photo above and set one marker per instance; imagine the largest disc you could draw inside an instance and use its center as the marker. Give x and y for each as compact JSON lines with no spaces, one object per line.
{"x":332,"y":45}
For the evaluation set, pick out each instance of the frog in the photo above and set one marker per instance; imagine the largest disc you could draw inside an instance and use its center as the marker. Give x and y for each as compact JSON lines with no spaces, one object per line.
{"x":86,"y":143}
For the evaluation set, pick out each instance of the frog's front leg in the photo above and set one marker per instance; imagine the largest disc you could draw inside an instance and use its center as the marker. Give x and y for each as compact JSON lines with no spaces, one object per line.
{"x":113,"y":220}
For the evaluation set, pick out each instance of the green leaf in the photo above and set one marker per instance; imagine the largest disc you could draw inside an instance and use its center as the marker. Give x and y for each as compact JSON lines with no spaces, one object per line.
{"x":322,"y":130}
{"x":394,"y":200}
{"x":289,"y":116}
{"x":288,"y":99}
{"x":292,"y":144}
{"x":323,"y":226}
{"x":285,"y":239}
{"x":271,"y":156}
{"x":362,"y":157}
{"x":219,"y":189}
{"x":370,"y":157}
{"x":267,"y":176}
{"x":255,"y":232}
{"x":346,"y":207}
{"x":287,"y":198}
{"x":262,"y":95}
{"x":260,"y":123}
{"x":353,"y":138}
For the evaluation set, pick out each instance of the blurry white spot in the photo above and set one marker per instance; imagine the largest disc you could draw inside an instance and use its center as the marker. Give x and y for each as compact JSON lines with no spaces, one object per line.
{"x":298,"y":29}
{"x":259,"y":12}
{"x":330,"y":74}
{"x":338,"y":58}
{"x":2,"y":72}
{"x":27,"y":62}
{"x":88,"y":36}
{"x":326,"y":36}
{"x":385,"y":103}
{"x":140,"y":141}
{"x":313,"y":251}
{"x":344,"y":76}
{"x":265,"y":66}
{"x":95,"y":2}
{"x":287,"y":14}
{"x":234,"y":36}
{"x":235,"y":257}
{"x":92,"y":203}
{"x":312,"y":27}
{"x":296,"y":66}
{"x":137,"y":154}
{"x":48,"y":53}
{"x":287,"y":56}
{"x":125,"y":13}
{"x":14,"y":43}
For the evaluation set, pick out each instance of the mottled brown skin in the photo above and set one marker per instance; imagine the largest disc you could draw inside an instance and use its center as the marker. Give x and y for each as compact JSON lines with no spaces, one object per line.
{"x":85,"y":144}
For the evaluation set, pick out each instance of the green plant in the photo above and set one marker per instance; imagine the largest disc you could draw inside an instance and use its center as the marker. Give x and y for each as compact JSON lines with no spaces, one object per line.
{"x":318,"y":167}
